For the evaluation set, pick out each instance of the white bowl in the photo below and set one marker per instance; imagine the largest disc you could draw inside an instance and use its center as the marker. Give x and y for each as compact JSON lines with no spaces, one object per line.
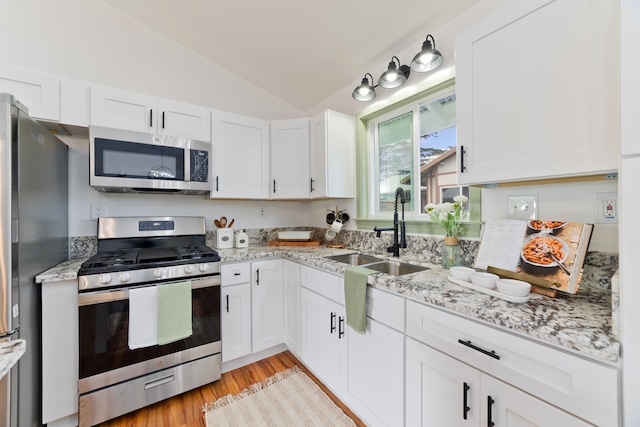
{"x":516,"y":288}
{"x":486,"y":280}
{"x":461,"y":273}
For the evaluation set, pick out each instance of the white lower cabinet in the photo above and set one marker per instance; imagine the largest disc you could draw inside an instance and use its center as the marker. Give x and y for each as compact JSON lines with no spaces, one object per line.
{"x":442,"y":391}
{"x":252,"y":312}
{"x":267,"y":304}
{"x":375,"y":374}
{"x":529,"y":383}
{"x":323,"y":340}
{"x":291,"y":279}
{"x":235,"y":318}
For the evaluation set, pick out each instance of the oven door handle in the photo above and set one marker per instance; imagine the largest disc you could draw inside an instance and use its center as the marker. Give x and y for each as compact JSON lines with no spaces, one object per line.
{"x":91,"y":298}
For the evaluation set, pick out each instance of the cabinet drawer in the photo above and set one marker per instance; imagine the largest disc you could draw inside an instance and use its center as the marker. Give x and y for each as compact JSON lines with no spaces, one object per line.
{"x":584,"y":388}
{"x":325,"y":284}
{"x":385,"y":308}
{"x":232,"y":274}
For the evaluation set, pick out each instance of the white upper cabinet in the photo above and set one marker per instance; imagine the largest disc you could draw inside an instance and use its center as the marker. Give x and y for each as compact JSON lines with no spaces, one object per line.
{"x":332,"y":156}
{"x":121,"y":109}
{"x":239,"y":157}
{"x":537,"y":92}
{"x":289,"y":152}
{"x":629,"y":82}
{"x":39,"y":92}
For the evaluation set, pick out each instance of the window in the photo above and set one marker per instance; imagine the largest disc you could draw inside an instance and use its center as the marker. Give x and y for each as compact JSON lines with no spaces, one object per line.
{"x":414,"y":147}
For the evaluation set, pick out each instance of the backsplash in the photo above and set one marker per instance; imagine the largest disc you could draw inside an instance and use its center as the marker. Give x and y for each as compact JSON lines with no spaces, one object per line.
{"x":598,"y":269}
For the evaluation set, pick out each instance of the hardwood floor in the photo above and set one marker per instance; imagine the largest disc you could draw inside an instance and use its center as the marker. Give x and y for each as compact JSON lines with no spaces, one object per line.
{"x":184,"y":410}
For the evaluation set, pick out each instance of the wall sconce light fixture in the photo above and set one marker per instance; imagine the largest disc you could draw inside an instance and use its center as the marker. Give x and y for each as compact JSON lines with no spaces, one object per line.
{"x":396,"y":75}
{"x":365,"y":92}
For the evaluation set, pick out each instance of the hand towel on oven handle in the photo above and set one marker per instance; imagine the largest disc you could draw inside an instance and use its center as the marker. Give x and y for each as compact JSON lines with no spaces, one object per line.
{"x":143,"y":317}
{"x":159,"y":314}
{"x":174,"y":312}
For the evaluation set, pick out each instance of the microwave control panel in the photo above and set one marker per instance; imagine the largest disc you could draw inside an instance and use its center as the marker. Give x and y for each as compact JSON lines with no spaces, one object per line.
{"x":199,"y":166}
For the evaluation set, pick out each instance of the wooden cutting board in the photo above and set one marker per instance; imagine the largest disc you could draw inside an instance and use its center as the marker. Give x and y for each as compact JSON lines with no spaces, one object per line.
{"x":294,"y":243}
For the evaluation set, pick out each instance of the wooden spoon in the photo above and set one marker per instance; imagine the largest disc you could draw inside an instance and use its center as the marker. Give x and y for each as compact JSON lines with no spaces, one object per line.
{"x":231,"y":223}
{"x":223,"y":222}
{"x":217,"y":223}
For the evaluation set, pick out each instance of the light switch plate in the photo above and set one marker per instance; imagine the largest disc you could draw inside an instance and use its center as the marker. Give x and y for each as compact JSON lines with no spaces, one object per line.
{"x":605,"y":208}
{"x":522,"y":207}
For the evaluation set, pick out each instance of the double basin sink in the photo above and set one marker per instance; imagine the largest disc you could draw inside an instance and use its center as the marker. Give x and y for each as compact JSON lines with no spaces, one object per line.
{"x":395,"y":268}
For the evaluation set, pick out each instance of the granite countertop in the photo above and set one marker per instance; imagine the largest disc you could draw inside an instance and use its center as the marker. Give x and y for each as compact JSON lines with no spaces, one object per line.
{"x":581,"y":323}
{"x":10,"y":353}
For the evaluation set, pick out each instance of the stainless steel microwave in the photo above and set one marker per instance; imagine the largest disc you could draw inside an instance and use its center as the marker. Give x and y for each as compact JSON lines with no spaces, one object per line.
{"x":134,"y":162}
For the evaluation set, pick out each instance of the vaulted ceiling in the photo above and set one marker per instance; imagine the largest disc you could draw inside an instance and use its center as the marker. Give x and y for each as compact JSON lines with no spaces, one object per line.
{"x":301,"y":51}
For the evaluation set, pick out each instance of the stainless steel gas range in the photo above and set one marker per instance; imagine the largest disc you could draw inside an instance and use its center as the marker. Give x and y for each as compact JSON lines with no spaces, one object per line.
{"x":139,"y":255}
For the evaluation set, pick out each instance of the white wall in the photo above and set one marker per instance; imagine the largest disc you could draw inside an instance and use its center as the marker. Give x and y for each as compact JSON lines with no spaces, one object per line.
{"x":567,"y":202}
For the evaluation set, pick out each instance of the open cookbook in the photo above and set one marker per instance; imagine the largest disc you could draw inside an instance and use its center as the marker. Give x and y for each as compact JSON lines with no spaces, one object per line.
{"x":545,"y":253}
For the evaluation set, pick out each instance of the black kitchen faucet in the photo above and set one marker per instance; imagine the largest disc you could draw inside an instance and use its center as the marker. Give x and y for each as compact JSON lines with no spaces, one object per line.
{"x":395,"y":248}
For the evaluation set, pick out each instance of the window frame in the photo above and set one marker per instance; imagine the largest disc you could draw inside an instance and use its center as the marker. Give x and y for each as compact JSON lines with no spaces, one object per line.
{"x":416,"y":222}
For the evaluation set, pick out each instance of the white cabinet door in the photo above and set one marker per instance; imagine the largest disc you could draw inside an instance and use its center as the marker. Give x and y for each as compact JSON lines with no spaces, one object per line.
{"x":332,"y":155}
{"x":184,"y":120}
{"x":59,"y":350}
{"x":289,"y":154}
{"x":239,"y":157}
{"x":235,"y":320}
{"x":323,"y":347}
{"x":374,"y":382}
{"x":122,"y":109}
{"x":536,"y":92}
{"x":291,"y":279}
{"x":440,"y":391}
{"x":503,"y":405}
{"x":629,"y":82}
{"x":39,"y":92}
{"x":267,"y":300}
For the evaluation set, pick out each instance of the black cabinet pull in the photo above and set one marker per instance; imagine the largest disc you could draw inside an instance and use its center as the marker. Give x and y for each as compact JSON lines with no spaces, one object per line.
{"x":491,"y":353}
{"x":151,"y":117}
{"x":462,"y":153}
{"x":237,"y":273}
{"x":340,"y":327}
{"x":163,"y":120}
{"x":333,"y":322}
{"x":490,"y":403}
{"x":465,"y":393}
{"x":257,"y":276}
{"x":227,"y":303}
{"x":274,"y":186}
{"x":216,"y":183}
{"x":311,"y":187}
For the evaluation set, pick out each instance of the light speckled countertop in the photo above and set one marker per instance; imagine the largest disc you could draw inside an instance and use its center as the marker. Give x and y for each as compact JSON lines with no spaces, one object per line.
{"x":580,"y":323}
{"x":10,"y":353}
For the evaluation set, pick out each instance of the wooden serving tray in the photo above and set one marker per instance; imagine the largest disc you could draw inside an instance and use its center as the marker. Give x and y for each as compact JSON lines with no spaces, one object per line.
{"x":278,"y":242}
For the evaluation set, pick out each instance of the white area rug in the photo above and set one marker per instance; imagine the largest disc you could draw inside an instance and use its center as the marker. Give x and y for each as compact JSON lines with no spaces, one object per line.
{"x":288,"y":398}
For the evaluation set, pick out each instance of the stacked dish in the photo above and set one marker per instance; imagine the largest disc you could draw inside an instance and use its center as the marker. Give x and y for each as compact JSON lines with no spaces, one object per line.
{"x":510,"y":290}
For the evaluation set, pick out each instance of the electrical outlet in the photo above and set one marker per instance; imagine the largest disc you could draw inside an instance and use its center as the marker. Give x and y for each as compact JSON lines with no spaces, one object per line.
{"x":522,"y":207}
{"x":98,"y":210}
{"x":262,"y":212}
{"x":605,"y":208}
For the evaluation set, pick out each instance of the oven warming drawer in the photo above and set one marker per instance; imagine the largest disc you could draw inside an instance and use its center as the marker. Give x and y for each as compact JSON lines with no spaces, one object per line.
{"x":119,"y":399}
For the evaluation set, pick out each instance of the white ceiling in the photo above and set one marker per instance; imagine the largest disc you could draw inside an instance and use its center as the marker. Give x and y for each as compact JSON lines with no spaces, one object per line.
{"x":301,"y":51}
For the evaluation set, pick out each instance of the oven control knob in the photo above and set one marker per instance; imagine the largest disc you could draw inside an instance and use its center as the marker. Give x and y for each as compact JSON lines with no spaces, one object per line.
{"x":125,"y":277}
{"x":203,"y":267}
{"x":159,"y":272}
{"x":105,"y":279}
{"x":188,"y":269}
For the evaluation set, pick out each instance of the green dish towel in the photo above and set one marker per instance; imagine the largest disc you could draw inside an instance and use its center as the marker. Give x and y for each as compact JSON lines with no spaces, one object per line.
{"x":174,"y":312}
{"x":355,"y":297}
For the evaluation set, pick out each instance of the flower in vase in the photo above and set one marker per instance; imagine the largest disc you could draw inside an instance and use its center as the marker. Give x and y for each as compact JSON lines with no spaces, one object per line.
{"x":449,"y":216}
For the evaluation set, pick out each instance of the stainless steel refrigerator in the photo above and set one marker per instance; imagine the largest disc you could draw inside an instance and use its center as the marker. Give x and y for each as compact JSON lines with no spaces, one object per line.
{"x":33,"y":238}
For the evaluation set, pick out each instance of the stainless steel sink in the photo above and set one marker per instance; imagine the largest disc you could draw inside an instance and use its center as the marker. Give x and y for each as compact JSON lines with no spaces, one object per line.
{"x":395,"y":268}
{"x":354,"y":259}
